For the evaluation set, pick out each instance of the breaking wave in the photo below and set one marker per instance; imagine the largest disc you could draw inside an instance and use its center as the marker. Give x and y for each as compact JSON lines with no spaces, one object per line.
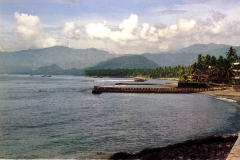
{"x":227,"y":99}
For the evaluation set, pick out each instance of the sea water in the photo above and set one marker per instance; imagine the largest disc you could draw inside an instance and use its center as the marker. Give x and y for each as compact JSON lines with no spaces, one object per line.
{"x":59,"y":117}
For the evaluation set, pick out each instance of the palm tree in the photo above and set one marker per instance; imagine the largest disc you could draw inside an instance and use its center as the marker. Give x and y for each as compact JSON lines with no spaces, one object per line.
{"x":227,"y":71}
{"x":232,"y":54}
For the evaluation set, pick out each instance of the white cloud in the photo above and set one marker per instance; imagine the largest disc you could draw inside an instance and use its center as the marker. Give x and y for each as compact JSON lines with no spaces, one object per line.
{"x":128,"y":25}
{"x":149,"y":33}
{"x":49,"y":42}
{"x":134,"y":37}
{"x":128,"y":36}
{"x":29,"y":28}
{"x":125,"y":32}
{"x":186,"y":25}
{"x":30,"y":33}
{"x":98,"y":30}
{"x":69,"y":31}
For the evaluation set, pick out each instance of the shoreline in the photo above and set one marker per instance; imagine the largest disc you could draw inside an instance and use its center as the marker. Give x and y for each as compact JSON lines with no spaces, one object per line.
{"x":192,"y":149}
{"x":210,"y":147}
{"x":229,"y":92}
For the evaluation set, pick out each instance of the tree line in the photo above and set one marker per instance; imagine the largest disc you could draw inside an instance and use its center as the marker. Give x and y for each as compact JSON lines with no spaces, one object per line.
{"x":166,"y":72}
{"x":218,"y":69}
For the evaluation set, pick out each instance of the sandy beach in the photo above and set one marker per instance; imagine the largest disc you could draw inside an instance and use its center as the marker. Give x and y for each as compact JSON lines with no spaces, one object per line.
{"x":226,"y":92}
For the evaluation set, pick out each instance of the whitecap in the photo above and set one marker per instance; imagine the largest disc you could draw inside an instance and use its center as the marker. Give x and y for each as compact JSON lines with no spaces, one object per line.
{"x":226,"y":99}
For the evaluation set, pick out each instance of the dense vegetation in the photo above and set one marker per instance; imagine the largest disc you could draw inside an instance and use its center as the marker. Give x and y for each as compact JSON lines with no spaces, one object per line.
{"x":218,"y":69}
{"x":128,"y":61}
{"x":126,"y":72}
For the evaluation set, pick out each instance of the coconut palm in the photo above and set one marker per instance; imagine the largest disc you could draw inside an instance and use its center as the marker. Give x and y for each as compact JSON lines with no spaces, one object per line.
{"x":227,"y":71}
{"x":232,"y":54}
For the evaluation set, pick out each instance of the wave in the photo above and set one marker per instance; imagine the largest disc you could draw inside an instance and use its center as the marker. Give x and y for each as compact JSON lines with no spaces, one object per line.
{"x":227,"y":99}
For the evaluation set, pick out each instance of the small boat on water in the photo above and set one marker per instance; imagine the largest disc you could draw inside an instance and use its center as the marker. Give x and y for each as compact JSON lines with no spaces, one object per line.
{"x":46,"y":76}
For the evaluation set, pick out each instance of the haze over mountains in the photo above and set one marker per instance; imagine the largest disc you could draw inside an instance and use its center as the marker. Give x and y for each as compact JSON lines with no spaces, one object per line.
{"x":27,"y":61}
{"x":66,"y":58}
{"x":189,"y":54}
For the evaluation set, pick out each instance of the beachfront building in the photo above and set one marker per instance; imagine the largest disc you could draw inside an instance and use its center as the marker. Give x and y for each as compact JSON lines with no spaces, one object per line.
{"x":236,"y":70}
{"x":199,"y":78}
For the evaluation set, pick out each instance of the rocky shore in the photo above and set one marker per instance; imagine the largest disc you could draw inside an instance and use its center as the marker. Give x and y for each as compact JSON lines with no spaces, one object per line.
{"x":212,"y":148}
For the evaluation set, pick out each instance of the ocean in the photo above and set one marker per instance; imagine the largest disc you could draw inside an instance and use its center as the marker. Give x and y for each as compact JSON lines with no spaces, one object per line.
{"x":59,"y":117}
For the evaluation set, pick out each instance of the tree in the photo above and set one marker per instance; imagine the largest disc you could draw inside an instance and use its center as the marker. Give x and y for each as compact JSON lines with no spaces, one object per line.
{"x":232,"y":55}
{"x":227,"y":71}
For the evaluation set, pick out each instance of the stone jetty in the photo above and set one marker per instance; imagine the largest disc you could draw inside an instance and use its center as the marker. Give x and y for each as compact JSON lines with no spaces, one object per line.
{"x":99,"y":90}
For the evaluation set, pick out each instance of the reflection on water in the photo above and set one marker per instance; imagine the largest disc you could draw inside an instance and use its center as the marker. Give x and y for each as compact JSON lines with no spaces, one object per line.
{"x":58,"y":117}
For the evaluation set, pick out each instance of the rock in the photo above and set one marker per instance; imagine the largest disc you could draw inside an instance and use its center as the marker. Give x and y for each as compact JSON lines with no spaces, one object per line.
{"x":212,"y":147}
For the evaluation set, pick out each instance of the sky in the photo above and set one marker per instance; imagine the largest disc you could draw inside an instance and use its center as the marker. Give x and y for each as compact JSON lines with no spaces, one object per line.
{"x":118,"y":26}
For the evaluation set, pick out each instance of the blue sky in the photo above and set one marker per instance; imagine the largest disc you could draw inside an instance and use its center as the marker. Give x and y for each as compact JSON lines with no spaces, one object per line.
{"x":118,"y":26}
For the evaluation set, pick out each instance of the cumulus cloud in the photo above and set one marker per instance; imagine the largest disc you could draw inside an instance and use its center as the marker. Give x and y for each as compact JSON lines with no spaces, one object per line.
{"x":124,"y":33}
{"x":130,"y":24}
{"x":49,"y":42}
{"x":182,"y":33}
{"x":98,"y":30}
{"x":149,"y":33}
{"x":69,"y":31}
{"x":30,"y":33}
{"x":186,"y":25}
{"x":160,"y":25}
{"x":29,"y":28}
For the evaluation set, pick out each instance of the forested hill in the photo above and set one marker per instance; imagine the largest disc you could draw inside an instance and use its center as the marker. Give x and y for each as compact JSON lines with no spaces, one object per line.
{"x":26,"y":61}
{"x":189,"y":54}
{"x":130,"y":61}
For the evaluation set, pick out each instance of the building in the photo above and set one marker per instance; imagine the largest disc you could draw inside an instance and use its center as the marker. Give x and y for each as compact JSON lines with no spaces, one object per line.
{"x":236,"y":70}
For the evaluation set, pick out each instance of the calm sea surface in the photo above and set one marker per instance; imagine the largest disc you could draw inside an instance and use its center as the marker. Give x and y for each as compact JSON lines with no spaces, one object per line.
{"x":59,"y":117}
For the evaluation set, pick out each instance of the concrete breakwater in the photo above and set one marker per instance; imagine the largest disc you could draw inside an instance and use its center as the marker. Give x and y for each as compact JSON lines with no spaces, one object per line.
{"x":99,"y":90}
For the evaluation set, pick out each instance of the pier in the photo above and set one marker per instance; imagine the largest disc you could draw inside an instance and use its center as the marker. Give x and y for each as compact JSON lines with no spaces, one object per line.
{"x":99,"y":90}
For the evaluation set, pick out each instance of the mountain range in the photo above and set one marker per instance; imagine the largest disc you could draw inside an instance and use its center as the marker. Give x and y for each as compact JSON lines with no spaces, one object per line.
{"x":128,"y":61}
{"x":27,"y":61}
{"x":189,"y":54}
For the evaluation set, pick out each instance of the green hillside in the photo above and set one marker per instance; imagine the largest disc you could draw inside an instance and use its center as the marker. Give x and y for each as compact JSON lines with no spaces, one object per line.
{"x":27,"y":60}
{"x":130,"y":61}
